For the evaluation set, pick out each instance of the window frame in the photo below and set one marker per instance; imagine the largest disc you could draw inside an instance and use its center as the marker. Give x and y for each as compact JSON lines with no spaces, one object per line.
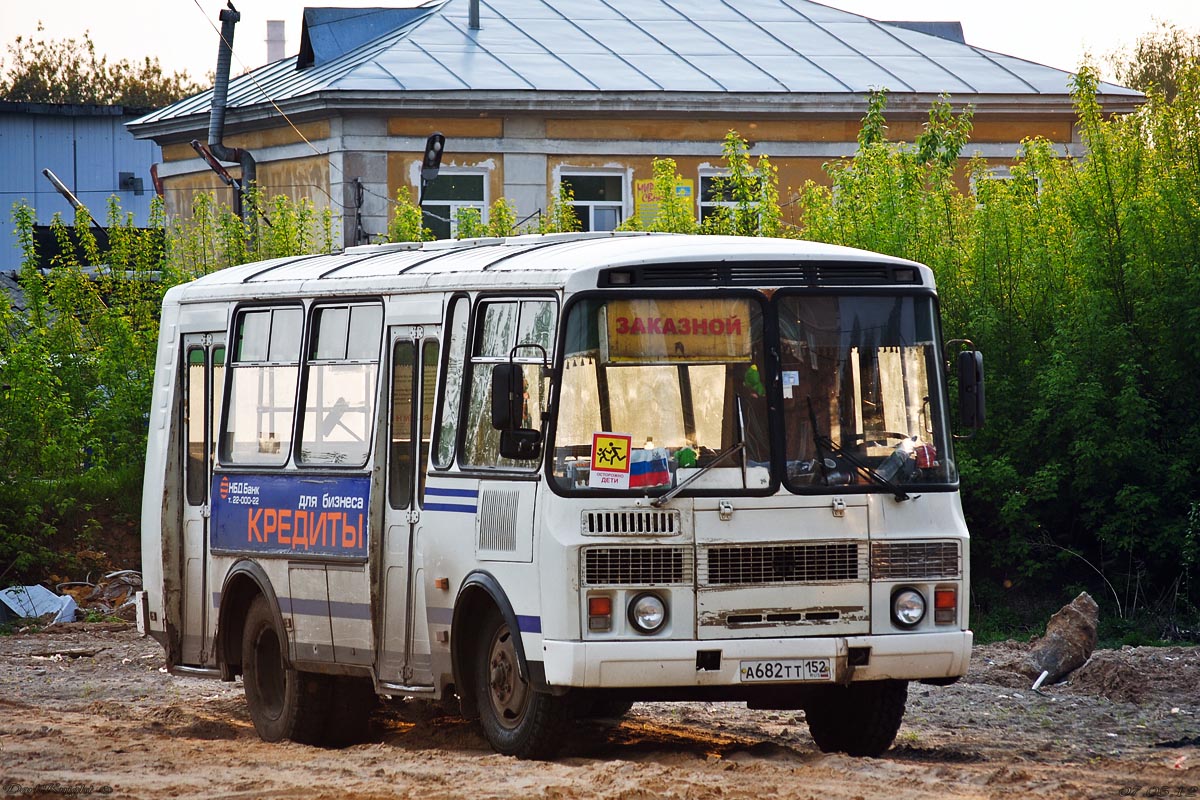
{"x":477,"y":304}
{"x":232,"y":365}
{"x":938,"y":387}
{"x":622,"y":205}
{"x":454,"y":205}
{"x":307,"y":361}
{"x":708,"y":173}
{"x":443,"y":379}
{"x":774,"y":431}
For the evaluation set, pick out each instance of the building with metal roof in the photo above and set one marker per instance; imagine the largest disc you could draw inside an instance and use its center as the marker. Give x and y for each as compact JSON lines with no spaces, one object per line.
{"x":530,"y":93}
{"x":88,"y":148}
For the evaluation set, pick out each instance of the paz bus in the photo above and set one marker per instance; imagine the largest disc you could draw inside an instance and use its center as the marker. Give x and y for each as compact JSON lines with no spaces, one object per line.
{"x":545,"y":477}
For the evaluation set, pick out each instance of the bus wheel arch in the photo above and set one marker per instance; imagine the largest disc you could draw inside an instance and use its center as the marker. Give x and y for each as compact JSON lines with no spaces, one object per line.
{"x":244,"y":581}
{"x":480,"y":593}
{"x":519,"y":715}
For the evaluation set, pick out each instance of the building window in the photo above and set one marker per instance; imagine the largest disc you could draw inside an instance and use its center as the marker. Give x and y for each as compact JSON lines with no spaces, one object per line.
{"x":714,"y":195}
{"x":449,"y":192}
{"x":599,"y":199}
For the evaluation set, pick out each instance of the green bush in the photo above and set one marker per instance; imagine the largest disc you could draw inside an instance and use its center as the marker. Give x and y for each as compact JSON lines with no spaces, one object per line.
{"x":77,"y":367}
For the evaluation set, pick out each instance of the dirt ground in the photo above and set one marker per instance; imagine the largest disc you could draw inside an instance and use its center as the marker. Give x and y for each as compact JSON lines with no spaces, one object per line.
{"x":89,"y":711}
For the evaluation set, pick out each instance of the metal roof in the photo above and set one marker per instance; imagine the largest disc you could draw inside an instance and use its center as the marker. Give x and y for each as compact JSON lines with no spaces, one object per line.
{"x":329,"y":33}
{"x":601,"y":47}
{"x":539,"y":260}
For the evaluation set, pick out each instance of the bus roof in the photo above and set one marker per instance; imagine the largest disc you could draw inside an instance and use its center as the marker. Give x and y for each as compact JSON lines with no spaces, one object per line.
{"x":553,"y":260}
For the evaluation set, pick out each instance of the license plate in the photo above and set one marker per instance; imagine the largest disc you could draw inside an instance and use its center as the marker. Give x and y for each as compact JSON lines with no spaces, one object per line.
{"x":796,"y":669}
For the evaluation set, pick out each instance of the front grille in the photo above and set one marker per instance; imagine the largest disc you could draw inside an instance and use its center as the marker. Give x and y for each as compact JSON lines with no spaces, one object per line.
{"x":630,"y":523}
{"x":636,"y":566}
{"x":915,"y":560}
{"x":818,"y":562}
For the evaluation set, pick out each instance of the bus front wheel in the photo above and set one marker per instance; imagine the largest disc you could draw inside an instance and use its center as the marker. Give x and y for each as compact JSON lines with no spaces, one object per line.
{"x":860,"y":719}
{"x":516,"y":719}
{"x":284,"y":702}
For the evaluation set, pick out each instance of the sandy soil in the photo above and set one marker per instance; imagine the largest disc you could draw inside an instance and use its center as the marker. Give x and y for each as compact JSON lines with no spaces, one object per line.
{"x":88,"y":711}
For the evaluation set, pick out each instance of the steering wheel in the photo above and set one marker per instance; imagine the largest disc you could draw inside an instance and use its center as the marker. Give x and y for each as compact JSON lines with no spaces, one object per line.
{"x":879,"y":436}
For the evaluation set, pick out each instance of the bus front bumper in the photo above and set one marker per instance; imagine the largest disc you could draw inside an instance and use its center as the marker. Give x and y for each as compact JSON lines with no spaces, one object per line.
{"x":660,"y":663}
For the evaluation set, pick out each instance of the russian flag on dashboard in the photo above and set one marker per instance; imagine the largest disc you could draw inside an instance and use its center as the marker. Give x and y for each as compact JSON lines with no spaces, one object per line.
{"x":649,"y":468}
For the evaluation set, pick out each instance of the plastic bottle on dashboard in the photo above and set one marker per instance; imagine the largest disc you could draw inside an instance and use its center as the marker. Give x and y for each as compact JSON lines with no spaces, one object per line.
{"x":898,"y":460}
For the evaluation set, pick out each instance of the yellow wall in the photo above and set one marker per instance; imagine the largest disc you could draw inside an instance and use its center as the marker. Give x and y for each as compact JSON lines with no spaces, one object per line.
{"x":271,"y":137}
{"x":297,"y":178}
{"x":811,"y":130}
{"x":470,"y":127}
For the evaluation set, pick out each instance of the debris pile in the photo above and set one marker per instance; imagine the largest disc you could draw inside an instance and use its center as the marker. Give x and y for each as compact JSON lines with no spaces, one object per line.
{"x":1068,"y":644}
{"x":113,"y":595}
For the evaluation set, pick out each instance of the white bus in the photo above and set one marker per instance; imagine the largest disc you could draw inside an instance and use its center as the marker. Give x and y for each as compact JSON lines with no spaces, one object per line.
{"x":555,"y":475}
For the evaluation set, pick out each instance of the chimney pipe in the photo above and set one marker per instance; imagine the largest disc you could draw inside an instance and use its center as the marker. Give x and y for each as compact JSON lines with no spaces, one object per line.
{"x":276,"y":40}
{"x":216,"y":119}
{"x":473,"y":15}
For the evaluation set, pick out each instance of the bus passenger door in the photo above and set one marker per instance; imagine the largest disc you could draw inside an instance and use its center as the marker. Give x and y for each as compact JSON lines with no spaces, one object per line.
{"x":404,"y":654}
{"x":203,"y":385}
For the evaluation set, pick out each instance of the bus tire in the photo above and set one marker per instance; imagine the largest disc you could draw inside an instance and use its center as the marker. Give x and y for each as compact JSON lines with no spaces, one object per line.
{"x":516,"y":720}
{"x":351,"y":702}
{"x":284,"y":702}
{"x":602,"y":707}
{"x":861,"y":719}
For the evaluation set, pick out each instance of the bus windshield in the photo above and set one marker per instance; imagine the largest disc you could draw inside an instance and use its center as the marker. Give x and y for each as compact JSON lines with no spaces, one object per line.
{"x":861,"y":392}
{"x":657,"y":391}
{"x":680,"y":377}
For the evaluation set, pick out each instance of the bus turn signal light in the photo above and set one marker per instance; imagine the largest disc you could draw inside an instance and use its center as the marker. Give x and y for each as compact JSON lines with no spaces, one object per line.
{"x":599,"y":613}
{"x":945,"y":605}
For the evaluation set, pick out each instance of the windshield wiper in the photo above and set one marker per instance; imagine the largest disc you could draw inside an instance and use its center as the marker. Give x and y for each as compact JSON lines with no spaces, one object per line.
{"x":662,"y":499}
{"x":863,"y":469}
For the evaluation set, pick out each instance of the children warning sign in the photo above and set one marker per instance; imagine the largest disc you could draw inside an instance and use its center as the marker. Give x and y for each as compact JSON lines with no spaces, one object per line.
{"x":610,"y":461}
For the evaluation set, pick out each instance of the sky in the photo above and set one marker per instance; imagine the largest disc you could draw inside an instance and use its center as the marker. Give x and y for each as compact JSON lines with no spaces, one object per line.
{"x":1056,"y":33}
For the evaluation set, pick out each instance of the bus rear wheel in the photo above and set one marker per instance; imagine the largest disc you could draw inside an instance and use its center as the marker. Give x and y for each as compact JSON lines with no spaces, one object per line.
{"x":516,"y":719}
{"x":860,"y":719}
{"x":284,"y":702}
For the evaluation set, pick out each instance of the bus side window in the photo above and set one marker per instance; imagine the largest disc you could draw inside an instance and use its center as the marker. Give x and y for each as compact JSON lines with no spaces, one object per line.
{"x":523,"y":330}
{"x":262,"y":391}
{"x":340,"y":380}
{"x":197,"y":461}
{"x":447,"y":430}
{"x":429,"y":367}
{"x":400,"y":454}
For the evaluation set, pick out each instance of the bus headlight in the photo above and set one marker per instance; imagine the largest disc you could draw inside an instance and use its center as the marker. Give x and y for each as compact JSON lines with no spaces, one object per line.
{"x":908,"y":607}
{"x":647,"y":613}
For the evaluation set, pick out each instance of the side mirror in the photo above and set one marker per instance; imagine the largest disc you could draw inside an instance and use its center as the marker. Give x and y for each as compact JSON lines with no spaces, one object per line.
{"x":508,"y":395}
{"x":971,"y":408}
{"x":508,"y":400}
{"x":522,"y":444}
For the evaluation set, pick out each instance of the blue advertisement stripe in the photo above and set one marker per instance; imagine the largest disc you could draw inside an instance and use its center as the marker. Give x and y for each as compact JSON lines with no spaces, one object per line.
{"x":437,"y":492}
{"x":529,"y":624}
{"x":450,"y":507}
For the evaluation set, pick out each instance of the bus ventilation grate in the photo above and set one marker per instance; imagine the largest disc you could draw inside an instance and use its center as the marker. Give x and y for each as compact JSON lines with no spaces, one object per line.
{"x":637,"y":566}
{"x":915,"y":560}
{"x":630,"y":523}
{"x":817,"y":562}
{"x":497,"y":519}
